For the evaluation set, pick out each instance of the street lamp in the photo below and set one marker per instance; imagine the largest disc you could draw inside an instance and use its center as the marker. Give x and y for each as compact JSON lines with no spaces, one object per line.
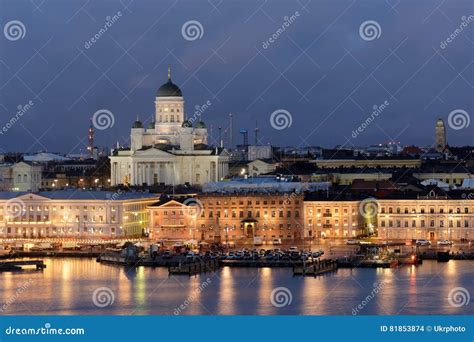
{"x":227,"y":237}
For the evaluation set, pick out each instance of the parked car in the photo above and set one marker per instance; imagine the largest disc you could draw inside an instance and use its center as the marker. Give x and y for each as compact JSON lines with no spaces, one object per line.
{"x":445,"y":243}
{"x":352,"y":242}
{"x":190,"y":256}
{"x":277,"y":241}
{"x":167,"y":255}
{"x":423,"y":242}
{"x":293,"y":249}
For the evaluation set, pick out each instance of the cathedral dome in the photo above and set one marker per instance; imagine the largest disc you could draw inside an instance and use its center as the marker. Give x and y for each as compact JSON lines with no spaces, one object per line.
{"x":201,"y":124}
{"x":169,"y":88}
{"x":187,"y":124}
{"x":137,"y":123}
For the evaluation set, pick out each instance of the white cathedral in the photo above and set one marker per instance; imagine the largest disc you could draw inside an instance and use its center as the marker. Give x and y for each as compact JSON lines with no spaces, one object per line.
{"x":169,"y":151}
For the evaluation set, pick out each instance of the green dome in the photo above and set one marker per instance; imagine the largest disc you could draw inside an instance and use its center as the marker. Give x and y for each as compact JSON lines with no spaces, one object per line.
{"x":201,"y":124}
{"x":151,"y":125}
{"x":187,"y":124}
{"x":137,"y":124}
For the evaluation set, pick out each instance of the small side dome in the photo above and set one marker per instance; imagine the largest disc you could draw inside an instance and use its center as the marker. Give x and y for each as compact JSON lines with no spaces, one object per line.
{"x":201,"y":124}
{"x":151,"y":125}
{"x":137,"y":124}
{"x":187,"y":124}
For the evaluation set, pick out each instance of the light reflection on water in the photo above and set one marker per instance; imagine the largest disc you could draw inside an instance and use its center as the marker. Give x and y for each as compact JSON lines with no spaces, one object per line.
{"x":66,"y":287}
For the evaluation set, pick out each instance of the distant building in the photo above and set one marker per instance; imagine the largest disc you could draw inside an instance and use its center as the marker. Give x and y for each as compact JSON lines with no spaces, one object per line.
{"x":440,"y":135}
{"x":261,"y":166}
{"x":26,"y":176}
{"x":268,"y":184}
{"x":376,"y":162}
{"x":259,"y":152}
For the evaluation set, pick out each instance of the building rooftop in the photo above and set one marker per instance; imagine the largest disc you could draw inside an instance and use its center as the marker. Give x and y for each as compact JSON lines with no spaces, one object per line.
{"x":82,"y":195}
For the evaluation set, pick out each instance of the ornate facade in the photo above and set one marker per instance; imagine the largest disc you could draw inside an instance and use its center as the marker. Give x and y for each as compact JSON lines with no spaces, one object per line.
{"x":171,"y":150}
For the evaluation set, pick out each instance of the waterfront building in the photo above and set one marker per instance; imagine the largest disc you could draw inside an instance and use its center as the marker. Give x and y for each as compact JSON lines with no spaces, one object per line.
{"x":434,"y":216}
{"x":333,"y":218}
{"x":233,"y":218}
{"x":74,"y":214}
{"x":173,"y":149}
{"x":239,"y":217}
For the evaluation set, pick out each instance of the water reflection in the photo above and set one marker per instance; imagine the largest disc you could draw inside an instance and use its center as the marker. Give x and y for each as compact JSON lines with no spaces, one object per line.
{"x":66,"y":287}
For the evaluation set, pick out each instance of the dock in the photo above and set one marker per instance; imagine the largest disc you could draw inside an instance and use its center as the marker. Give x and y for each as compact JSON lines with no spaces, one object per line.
{"x":196,"y":267}
{"x":314,"y":269}
{"x":6,"y":266}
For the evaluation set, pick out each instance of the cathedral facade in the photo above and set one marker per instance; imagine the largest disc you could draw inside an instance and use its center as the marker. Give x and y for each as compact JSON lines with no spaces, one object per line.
{"x":171,"y":150}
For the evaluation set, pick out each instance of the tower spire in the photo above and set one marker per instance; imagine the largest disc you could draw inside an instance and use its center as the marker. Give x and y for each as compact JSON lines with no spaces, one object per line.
{"x":169,"y":73}
{"x":90,"y":147}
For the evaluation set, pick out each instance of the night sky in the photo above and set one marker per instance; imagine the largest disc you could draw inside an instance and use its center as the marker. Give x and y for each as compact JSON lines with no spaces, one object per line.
{"x":322,"y":69}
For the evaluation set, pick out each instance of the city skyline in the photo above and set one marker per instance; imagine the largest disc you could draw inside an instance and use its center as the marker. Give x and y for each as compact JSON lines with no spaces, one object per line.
{"x":240,"y":62}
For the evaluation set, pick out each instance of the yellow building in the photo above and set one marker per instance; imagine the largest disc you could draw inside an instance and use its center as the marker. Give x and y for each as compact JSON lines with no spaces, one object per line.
{"x":332,"y":219}
{"x":431,"y":217}
{"x":74,"y":214}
